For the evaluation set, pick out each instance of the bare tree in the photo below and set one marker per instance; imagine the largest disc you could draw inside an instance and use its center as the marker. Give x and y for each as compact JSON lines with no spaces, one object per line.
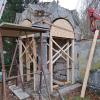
{"x":85,"y":22}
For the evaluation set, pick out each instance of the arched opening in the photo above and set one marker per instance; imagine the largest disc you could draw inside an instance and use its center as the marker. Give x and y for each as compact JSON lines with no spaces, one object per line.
{"x":61,"y":53}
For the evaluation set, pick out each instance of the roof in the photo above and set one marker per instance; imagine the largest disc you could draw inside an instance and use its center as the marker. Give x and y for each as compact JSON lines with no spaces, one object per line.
{"x":16,"y":30}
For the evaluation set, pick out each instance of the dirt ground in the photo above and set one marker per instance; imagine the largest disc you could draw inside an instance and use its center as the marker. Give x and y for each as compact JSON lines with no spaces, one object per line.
{"x":75,"y":95}
{"x":90,"y":95}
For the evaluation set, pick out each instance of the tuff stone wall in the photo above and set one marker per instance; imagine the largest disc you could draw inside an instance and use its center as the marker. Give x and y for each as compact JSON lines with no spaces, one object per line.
{"x":50,"y":11}
{"x":82,"y":53}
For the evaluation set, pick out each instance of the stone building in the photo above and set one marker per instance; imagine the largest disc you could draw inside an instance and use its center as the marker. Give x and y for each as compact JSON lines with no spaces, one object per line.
{"x":49,"y":14}
{"x":50,"y":11}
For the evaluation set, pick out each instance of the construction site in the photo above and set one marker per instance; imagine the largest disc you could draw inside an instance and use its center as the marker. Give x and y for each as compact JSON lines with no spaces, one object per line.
{"x":51,"y":57}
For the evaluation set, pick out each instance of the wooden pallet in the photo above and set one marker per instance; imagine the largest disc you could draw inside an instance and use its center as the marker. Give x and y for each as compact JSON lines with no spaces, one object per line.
{"x":21,"y":95}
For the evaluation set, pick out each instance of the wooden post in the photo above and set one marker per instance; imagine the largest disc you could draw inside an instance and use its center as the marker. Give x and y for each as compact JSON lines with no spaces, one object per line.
{"x":3,"y":69}
{"x":73,"y":68}
{"x":68,"y":78}
{"x":51,"y":63}
{"x":88,"y":67}
{"x":20,"y":59}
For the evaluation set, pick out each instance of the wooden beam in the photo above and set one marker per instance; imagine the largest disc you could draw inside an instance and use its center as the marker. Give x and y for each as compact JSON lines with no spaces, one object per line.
{"x":50,"y":62}
{"x":88,"y":67}
{"x":62,"y":50}
{"x":27,"y":36}
{"x":59,"y":27}
{"x":25,"y":47}
{"x":60,"y":82}
{"x":55,"y":87}
{"x":67,"y":65}
{"x":59,"y":54}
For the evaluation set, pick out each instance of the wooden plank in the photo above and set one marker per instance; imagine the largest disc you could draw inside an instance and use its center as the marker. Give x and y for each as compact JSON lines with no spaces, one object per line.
{"x":16,"y":30}
{"x":27,"y":36}
{"x":58,"y":51}
{"x":63,"y":57}
{"x":50,"y":62}
{"x":26,"y":47}
{"x":67,"y":89}
{"x":60,"y":82}
{"x":19,"y":92}
{"x":67,"y":66}
{"x":26,"y":50}
{"x":60,"y":55}
{"x":61,"y":28}
{"x":62,"y":50}
{"x":88,"y":67}
{"x":55,"y":87}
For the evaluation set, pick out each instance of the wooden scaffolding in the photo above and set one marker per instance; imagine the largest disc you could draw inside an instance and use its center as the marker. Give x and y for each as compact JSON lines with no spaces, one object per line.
{"x":21,"y":33}
{"x":62,"y":29}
